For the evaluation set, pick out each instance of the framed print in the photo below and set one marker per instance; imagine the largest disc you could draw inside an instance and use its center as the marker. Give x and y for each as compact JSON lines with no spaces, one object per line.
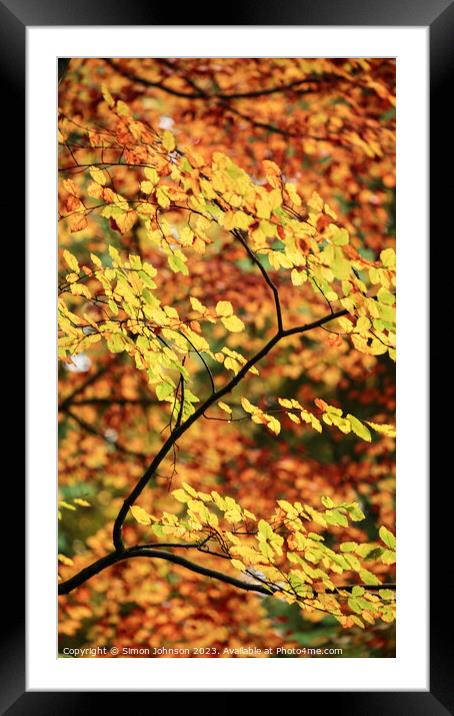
{"x":226,"y":486}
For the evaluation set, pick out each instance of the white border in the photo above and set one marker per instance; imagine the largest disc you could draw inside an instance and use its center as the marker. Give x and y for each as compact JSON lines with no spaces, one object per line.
{"x":409,"y":670}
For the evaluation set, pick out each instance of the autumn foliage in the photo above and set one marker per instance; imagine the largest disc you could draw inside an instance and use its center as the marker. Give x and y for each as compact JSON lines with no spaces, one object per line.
{"x":226,"y":356}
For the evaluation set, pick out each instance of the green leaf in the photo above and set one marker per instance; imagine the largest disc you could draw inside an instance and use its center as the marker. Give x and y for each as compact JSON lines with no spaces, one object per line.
{"x":359,"y":428}
{"x":116,"y":343}
{"x":357,"y":591}
{"x":327,"y":502}
{"x":265,"y":531}
{"x":387,"y":594}
{"x":337,"y":518}
{"x":368,"y":577}
{"x":385,"y":296}
{"x":387,"y":537}
{"x":339,"y":237}
{"x":354,"y":605}
{"x":355,"y":512}
{"x":340,"y":266}
{"x":266,"y":550}
{"x":177,"y":265}
{"x":164,"y":390}
{"x":388,"y":556}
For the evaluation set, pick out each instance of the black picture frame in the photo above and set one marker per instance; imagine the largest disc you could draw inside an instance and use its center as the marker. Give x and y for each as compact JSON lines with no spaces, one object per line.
{"x":438,"y":15}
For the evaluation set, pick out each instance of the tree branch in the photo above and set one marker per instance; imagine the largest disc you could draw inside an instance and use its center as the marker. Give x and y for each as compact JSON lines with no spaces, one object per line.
{"x":240,"y":236}
{"x":223,"y":98}
{"x":93,"y":431}
{"x":114,"y":557}
{"x":207,"y":367}
{"x":181,"y":429}
{"x":199,"y":94}
{"x":273,"y":128}
{"x":314,"y":324}
{"x":63,"y":64}
{"x":80,"y":388}
{"x":180,"y":411}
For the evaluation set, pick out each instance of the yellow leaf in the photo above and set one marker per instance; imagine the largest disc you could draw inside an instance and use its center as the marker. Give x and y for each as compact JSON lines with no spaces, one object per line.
{"x":388,"y":258}
{"x":81,"y":503}
{"x":98,"y":175}
{"x":66,"y":505}
{"x":294,"y":197}
{"x":186,"y":236}
{"x":190,"y":490}
{"x":363,"y":324}
{"x":273,"y":424}
{"x":65,"y":560}
{"x":238,"y":565}
{"x":151,"y":174}
{"x":272,"y":173}
{"x":126,"y":221}
{"x":149,"y":269}
{"x":122,"y":108}
{"x":291,"y":511}
{"x":77,"y":222}
{"x":226,"y":408}
{"x":315,"y":202}
{"x":181,"y":495}
{"x":384,"y":429}
{"x":168,"y":141}
{"x":107,"y":96}
{"x":224,"y":308}
{"x":140,"y":515}
{"x":298,"y":277}
{"x":247,"y":406}
{"x":79,"y":289}
{"x":163,"y":197}
{"x":71,"y":261}
{"x":95,"y":190}
{"x":339,"y":237}
{"x":197,"y":306}
{"x":327,"y":209}
{"x":146,"y":187}
{"x":233,"y":324}
{"x":70,"y":187}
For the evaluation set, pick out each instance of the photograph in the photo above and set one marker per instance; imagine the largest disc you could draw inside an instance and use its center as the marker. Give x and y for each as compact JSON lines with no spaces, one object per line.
{"x":227,"y":357}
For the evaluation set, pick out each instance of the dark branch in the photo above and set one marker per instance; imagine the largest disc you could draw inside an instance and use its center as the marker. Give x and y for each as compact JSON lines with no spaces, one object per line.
{"x":207,"y":367}
{"x":180,"y":411}
{"x":114,"y":557}
{"x":97,"y":433}
{"x":80,"y":388}
{"x":63,"y":64}
{"x":223,"y":98}
{"x":177,"y":432}
{"x":239,"y":235}
{"x":199,"y":94}
{"x":314,"y":324}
